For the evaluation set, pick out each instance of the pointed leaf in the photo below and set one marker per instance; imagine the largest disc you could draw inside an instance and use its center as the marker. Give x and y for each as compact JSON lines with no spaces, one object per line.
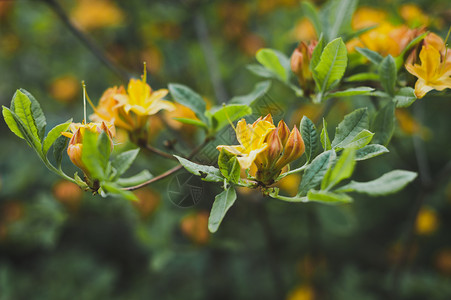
{"x":187,"y":97}
{"x":229,"y":113}
{"x":222,"y":204}
{"x":325,"y":141}
{"x":275,"y":61}
{"x":9,"y":120}
{"x":341,"y":170}
{"x":207,"y":173}
{"x":229,"y":166}
{"x":384,"y":124}
{"x":351,"y":125}
{"x":314,"y":173}
{"x":373,"y":56}
{"x":310,"y":137}
{"x":328,"y":197}
{"x":370,"y":151}
{"x":123,"y":161}
{"x":38,"y":114}
{"x":53,"y":135}
{"x":388,"y":74}
{"x":139,"y":178}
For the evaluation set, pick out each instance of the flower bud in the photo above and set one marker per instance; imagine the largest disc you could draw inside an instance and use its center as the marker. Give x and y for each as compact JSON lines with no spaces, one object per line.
{"x":75,"y":147}
{"x":275,"y":147}
{"x":294,"y":148}
{"x":300,"y":65}
{"x":283,"y":132}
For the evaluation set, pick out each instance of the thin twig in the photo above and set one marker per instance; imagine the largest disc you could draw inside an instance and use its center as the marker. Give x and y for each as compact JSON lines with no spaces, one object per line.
{"x":159,"y":152}
{"x":90,"y":45}
{"x":170,"y":171}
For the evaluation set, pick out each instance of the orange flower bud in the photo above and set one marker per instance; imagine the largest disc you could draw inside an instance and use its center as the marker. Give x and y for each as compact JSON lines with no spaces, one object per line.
{"x":75,"y":147}
{"x":283,"y":131}
{"x":300,"y":65}
{"x":275,"y":147}
{"x":294,"y":148}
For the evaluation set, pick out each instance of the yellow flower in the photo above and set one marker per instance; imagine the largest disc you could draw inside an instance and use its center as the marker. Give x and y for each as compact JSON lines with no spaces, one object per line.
{"x":434,"y":73}
{"x":251,"y":139}
{"x":93,"y":14}
{"x":141,"y":100}
{"x":427,"y":221}
{"x":266,"y":149}
{"x":413,"y":15}
{"x":75,"y":147}
{"x":366,"y":17}
{"x":304,"y":31}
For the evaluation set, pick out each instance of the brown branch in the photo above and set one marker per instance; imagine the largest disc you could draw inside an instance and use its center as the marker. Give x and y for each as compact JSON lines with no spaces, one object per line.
{"x":89,"y":44}
{"x":159,"y":152}
{"x":170,"y":171}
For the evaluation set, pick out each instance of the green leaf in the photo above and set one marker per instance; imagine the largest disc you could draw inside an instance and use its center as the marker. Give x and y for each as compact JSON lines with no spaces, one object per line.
{"x":207,"y":173}
{"x":58,"y":147}
{"x":229,"y":166}
{"x":325,"y":141}
{"x":315,"y":171}
{"x":350,"y":127}
{"x":229,"y":113}
{"x":363,"y":90}
{"x":384,"y":124}
{"x":261,"y":71}
{"x":310,"y":12}
{"x":91,"y":156}
{"x":222,"y":204}
{"x":259,"y":91}
{"x":187,"y":97}
{"x":363,"y":77}
{"x":388,"y":74}
{"x":340,"y":16}
{"x":388,"y":183}
{"x":12,"y":125}
{"x":362,"y":139}
{"x":331,"y":66}
{"x":342,"y":170}
{"x":370,"y":151}
{"x":38,"y":114}
{"x":139,"y":178}
{"x":123,"y":161}
{"x":316,"y":55}
{"x":21,"y":105}
{"x":191,"y":122}
{"x":328,"y":197}
{"x":310,"y":137}
{"x":372,"y":56}
{"x":53,"y":135}
{"x":25,"y":132}
{"x":116,"y":190}
{"x":104,"y":147}
{"x":274,"y":61}
{"x":405,"y":97}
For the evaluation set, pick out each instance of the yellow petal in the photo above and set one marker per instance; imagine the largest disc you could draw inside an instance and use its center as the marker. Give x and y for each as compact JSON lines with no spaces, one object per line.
{"x":421,"y":88}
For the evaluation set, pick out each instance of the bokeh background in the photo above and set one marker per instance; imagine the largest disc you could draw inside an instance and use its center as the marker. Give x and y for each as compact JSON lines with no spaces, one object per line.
{"x":57,"y":242}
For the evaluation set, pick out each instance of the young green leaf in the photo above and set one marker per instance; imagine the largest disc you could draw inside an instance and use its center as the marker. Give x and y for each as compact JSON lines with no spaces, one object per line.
{"x":384,"y":124}
{"x":315,"y":171}
{"x":58,"y":147}
{"x":316,"y":55}
{"x":332,"y":65}
{"x":116,"y":190}
{"x":187,"y":97}
{"x":405,"y":97}
{"x":222,"y":204}
{"x":123,"y":161}
{"x":388,"y":183}
{"x":53,"y":135}
{"x":139,"y":178}
{"x":340,"y":16}
{"x":328,"y":197}
{"x":362,"y":77}
{"x":363,"y":90}
{"x":38,"y":114}
{"x":372,"y":56}
{"x":362,"y":139}
{"x":325,"y":141}
{"x":229,"y":166}
{"x":351,"y":126}
{"x":370,"y":151}
{"x":275,"y":61}
{"x":310,"y":137}
{"x":341,"y":170}
{"x":9,"y":120}
{"x":91,"y":156}
{"x":259,"y":91}
{"x":21,"y":105}
{"x":388,"y":74}
{"x":207,"y":173}
{"x":260,"y":71}
{"x":31,"y":140}
{"x":193,"y":122}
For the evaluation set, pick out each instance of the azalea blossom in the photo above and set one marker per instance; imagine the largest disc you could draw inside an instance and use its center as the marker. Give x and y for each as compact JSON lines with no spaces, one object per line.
{"x":434,"y":72}
{"x":251,"y":139}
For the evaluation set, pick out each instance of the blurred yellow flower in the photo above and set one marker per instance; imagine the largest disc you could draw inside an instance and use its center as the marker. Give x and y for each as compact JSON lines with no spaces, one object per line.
{"x":251,"y":139}
{"x":413,"y":15}
{"x":148,"y":202}
{"x":434,"y":72}
{"x":427,"y":221}
{"x":64,"y":88}
{"x":303,"y":292}
{"x":68,"y":193}
{"x":94,"y":14}
{"x":367,"y":17}
{"x":290,"y":184}
{"x":195,"y":227}
{"x":304,"y":31}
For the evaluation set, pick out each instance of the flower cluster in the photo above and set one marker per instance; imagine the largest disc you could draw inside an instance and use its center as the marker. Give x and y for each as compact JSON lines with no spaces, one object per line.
{"x":265,"y":149}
